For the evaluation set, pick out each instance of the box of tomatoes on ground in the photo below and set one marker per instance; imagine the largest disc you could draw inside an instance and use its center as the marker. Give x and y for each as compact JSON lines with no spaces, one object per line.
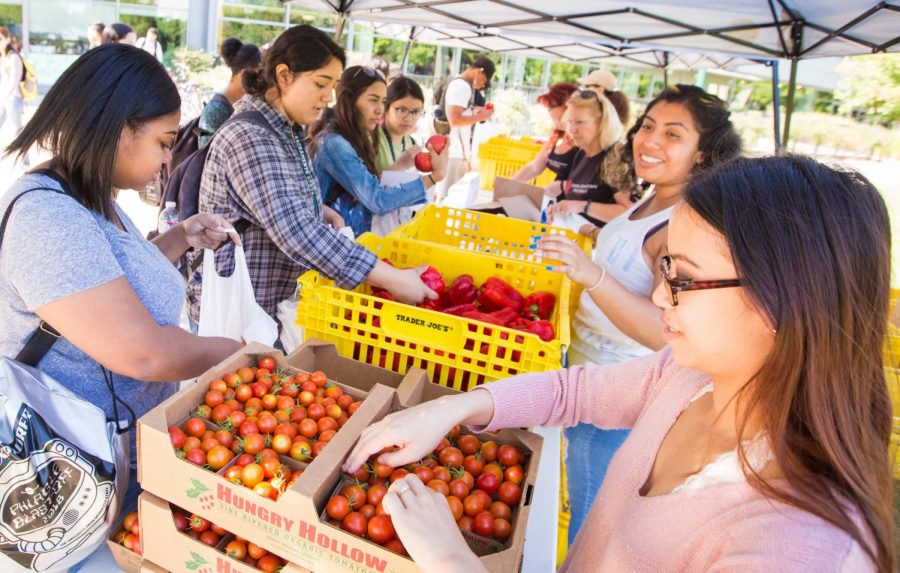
{"x":179,"y":541}
{"x":125,"y":544}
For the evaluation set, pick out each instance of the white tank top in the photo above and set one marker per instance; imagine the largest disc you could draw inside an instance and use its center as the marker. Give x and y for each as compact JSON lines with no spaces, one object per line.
{"x":620,"y":250}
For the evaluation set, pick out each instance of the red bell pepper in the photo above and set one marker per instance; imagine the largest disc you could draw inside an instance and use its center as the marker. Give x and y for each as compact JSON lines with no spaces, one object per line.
{"x":539,"y":305}
{"x":381,"y":293}
{"x":496,"y":294}
{"x":483,"y":317}
{"x":433,"y":279}
{"x":505,"y":315}
{"x":430,"y":304}
{"x":521,"y":323}
{"x":460,"y":309}
{"x":543,"y":329}
{"x":462,"y":291}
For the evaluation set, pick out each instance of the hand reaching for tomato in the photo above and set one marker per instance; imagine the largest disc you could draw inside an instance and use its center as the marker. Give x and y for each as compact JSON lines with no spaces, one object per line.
{"x":416,"y":431}
{"x":427,"y":529}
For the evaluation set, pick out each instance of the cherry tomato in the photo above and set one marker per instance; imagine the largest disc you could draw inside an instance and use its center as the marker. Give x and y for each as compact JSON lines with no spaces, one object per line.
{"x":451,"y":457}
{"x":502,"y":528}
{"x":442,"y":474}
{"x":210,"y":538}
{"x":380,"y":529}
{"x":243,"y":393}
{"x":251,"y":475}
{"x":338,"y":507}
{"x":236,"y":549}
{"x":196,"y":456}
{"x":396,"y":546}
{"x":509,"y":455}
{"x":265,"y":489}
{"x":213,"y":398}
{"x":326,"y":423}
{"x":281,"y":443}
{"x":218,"y":457}
{"x":483,"y":524}
{"x":301,"y":451}
{"x":469,"y":444}
{"x":375,"y":494}
{"x":397,"y":474}
{"x":439,"y":486}
{"x":355,"y":494}
{"x":198,"y":524}
{"x":194,"y":427}
{"x":267,"y":424}
{"x":488,"y":483}
{"x":473,"y":465}
{"x":464,"y":523}
{"x":514,"y":474}
{"x":268,"y":363}
{"x":233,"y":474}
{"x":131,"y":523}
{"x":456,"y":507}
{"x":489,"y":451}
{"x":246,"y":374}
{"x":219,"y":385}
{"x":368,"y":510}
{"x":232,"y":380}
{"x":318,"y":378}
{"x":309,"y":428}
{"x":509,"y":493}
{"x":473,"y":505}
{"x":255,"y":551}
{"x":495,"y":470}
{"x":424,"y":474}
{"x":355,"y":523}
{"x":268,"y":563}
{"x":177,"y":437}
{"x":254,"y":443}
{"x":500,"y":510}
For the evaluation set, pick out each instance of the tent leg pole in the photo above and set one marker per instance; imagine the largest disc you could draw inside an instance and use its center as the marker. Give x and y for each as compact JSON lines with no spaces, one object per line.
{"x":776,"y":106}
{"x":789,"y":104}
{"x":339,"y":28}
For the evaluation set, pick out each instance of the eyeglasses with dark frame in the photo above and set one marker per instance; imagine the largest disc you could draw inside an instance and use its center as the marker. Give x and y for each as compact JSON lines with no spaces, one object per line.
{"x":676,"y":285}
{"x":405,"y":112}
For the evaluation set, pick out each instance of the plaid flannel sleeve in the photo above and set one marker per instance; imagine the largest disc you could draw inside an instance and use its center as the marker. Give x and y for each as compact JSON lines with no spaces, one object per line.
{"x":270,"y":183}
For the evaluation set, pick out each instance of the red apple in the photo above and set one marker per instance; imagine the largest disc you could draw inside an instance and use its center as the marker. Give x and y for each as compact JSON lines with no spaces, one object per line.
{"x":437,"y":142}
{"x":489,"y":106}
{"x":423,"y":162}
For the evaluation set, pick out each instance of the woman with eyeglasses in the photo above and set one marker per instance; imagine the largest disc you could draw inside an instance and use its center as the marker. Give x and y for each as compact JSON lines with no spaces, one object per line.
{"x":260,"y":177}
{"x":344,"y":144}
{"x":759,"y":434}
{"x":558,"y":152}
{"x":583,"y":187}
{"x":683,"y":131}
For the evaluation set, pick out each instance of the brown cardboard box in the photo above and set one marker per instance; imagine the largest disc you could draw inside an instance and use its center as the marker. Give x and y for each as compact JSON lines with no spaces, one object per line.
{"x":126,"y":559}
{"x":176,"y":552}
{"x":148,"y":567}
{"x":515,"y":199}
{"x":291,"y":527}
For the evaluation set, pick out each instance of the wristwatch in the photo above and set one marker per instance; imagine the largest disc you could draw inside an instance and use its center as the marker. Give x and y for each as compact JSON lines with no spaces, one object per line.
{"x":587,"y":205}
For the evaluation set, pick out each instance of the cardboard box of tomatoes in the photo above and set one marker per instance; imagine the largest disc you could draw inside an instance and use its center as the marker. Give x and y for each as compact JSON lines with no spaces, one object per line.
{"x":125,"y":544}
{"x":176,"y":550}
{"x":290,"y":524}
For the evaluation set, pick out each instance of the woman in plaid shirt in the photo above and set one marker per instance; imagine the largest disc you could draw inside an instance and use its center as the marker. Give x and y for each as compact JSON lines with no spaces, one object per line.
{"x":263,"y":175}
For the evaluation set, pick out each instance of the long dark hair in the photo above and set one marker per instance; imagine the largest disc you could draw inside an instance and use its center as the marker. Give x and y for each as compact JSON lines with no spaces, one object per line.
{"x":345,"y":120}
{"x":115,"y":33}
{"x":239,"y":56}
{"x":811,"y":245}
{"x":82,"y":117}
{"x":719,"y":140}
{"x":301,"y":48}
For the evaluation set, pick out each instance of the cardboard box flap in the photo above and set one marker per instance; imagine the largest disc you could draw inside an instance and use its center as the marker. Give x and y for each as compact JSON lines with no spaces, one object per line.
{"x":504,"y":188}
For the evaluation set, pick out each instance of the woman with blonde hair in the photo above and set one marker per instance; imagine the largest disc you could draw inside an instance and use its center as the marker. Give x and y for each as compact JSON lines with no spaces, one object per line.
{"x":595,"y":128}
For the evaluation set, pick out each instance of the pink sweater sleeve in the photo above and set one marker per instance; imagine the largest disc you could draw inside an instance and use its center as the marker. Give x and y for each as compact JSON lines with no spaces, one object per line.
{"x":607,"y":396}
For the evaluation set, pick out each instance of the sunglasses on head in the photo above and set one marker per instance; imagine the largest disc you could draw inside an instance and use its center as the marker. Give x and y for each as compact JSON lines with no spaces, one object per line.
{"x":588,"y":94}
{"x":371,"y":72}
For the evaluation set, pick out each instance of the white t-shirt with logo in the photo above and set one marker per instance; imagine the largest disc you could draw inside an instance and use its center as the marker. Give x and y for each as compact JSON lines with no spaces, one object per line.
{"x":459,"y":92}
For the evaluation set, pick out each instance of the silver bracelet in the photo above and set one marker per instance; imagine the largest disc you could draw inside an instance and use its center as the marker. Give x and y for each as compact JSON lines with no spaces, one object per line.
{"x":599,"y":281}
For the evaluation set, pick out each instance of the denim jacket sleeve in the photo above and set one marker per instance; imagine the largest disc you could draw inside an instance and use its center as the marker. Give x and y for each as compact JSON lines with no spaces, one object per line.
{"x":338,"y":158}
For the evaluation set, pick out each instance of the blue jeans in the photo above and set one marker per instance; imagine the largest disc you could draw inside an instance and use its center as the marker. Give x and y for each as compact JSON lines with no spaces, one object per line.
{"x":588,"y":453}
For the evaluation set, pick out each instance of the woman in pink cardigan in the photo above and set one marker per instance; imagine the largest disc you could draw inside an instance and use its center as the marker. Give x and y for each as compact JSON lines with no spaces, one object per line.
{"x":758,"y":436}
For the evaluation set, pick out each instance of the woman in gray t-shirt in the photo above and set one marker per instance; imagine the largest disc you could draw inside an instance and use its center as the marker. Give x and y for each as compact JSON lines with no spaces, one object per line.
{"x":72,"y":258}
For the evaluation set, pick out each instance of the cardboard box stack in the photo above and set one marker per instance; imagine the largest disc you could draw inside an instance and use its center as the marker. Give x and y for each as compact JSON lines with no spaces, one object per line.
{"x":292,"y":527}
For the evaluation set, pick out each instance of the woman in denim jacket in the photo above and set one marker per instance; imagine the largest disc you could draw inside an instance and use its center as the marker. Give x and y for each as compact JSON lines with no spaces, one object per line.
{"x":344,"y":144}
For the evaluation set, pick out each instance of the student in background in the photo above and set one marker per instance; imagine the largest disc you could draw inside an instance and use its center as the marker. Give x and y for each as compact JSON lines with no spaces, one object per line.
{"x":559,"y":151}
{"x":95,"y":34}
{"x":118,"y":33}
{"x":238,"y":57}
{"x":150,"y":44}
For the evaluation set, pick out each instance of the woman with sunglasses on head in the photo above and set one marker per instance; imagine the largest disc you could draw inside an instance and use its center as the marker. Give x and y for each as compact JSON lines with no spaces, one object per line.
{"x":260,"y":177}
{"x":759,"y":435}
{"x":558,"y":152}
{"x":583,"y":187}
{"x":344,"y":144}
{"x":683,"y":131}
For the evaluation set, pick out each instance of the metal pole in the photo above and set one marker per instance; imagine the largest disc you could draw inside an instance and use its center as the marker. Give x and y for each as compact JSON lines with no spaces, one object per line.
{"x":339,"y":28}
{"x":776,"y":106}
{"x":409,"y":41}
{"x":665,"y":70}
{"x":789,"y":105}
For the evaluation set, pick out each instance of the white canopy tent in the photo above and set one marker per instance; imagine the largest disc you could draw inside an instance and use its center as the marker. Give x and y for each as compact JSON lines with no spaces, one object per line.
{"x":672,"y":34}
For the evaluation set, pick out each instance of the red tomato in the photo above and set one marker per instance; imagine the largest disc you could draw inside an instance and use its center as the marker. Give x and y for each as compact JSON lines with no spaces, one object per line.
{"x":308,"y":428}
{"x":397,"y":474}
{"x":213,"y":398}
{"x":270,"y":466}
{"x":246,"y":374}
{"x":270,"y":402}
{"x":315,"y":411}
{"x":198,"y":524}
{"x":338,"y":507}
{"x":464,"y":523}
{"x":233,"y":474}
{"x":243,"y":393}
{"x":355,"y":494}
{"x":131,"y":523}
{"x":301,"y":451}
{"x":244,"y":459}
{"x":265,"y":489}
{"x":396,"y":546}
{"x":488,"y":483}
{"x":191,"y":443}
{"x":456,"y":507}
{"x":327,"y":435}
{"x":318,"y":378}
{"x":281,"y":443}
{"x":451,"y":457}
{"x":194,"y":427}
{"x":219,"y":385}
{"x":218,"y":457}
{"x":247,"y":428}
{"x":495,"y":469}
{"x":356,"y":523}
{"x":345,"y":401}
{"x":318,"y":447}
{"x":469,"y":444}
{"x":473,"y":505}
{"x":177,"y":437}
{"x":326,"y":423}
{"x":473,"y":465}
{"x":509,"y":493}
{"x":232,"y":380}
{"x":269,"y":563}
{"x":514,"y":474}
{"x":424,"y":474}
{"x":267,"y":424}
{"x":225,"y":438}
{"x":483,"y":524}
{"x":439,"y":486}
{"x":254,"y":443}
{"x":509,"y":455}
{"x":442,"y":474}
{"x":489,"y":451}
{"x":368,"y":510}
{"x":381,"y":529}
{"x":500,"y":510}
{"x":210,"y":538}
{"x":196,"y":456}
{"x":375,"y":494}
{"x":502,"y":528}
{"x":268,"y":363}
{"x":255,"y":551}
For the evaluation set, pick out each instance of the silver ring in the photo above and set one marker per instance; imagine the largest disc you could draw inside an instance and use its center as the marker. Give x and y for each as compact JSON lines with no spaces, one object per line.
{"x":402,"y":488}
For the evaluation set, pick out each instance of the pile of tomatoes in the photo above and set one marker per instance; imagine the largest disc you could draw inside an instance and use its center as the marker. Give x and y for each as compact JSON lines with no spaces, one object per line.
{"x":237,"y":548}
{"x":259,"y":414}
{"x":130,"y":534}
{"x":482,"y":482}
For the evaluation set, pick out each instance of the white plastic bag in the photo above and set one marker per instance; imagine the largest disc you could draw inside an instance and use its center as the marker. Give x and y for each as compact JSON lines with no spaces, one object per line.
{"x":228,"y":307}
{"x":291,"y":332}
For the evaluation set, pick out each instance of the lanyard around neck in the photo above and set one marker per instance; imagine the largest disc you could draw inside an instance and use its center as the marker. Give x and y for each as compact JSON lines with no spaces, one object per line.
{"x":297,"y":133}
{"x":390,"y":143}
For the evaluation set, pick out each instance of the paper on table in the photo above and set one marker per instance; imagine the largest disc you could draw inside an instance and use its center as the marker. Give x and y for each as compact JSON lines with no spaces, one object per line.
{"x":571,"y":221}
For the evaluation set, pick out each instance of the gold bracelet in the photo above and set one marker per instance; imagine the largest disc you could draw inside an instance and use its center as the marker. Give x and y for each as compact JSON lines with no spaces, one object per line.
{"x":599,"y":281}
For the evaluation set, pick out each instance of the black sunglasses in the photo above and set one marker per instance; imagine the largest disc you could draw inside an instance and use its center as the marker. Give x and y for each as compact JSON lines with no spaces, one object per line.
{"x":371,"y":72}
{"x":676,"y":285}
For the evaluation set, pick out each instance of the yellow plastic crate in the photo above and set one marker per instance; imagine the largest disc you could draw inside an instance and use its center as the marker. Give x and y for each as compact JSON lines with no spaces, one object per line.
{"x":894,"y":455}
{"x":455,"y":351}
{"x":503,"y":157}
{"x":482,"y":232}
{"x":891,"y":349}
{"x":892,"y":377}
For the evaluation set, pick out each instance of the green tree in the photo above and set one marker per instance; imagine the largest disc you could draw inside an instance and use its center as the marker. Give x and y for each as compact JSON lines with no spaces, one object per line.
{"x":870,"y":85}
{"x":565,"y":72}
